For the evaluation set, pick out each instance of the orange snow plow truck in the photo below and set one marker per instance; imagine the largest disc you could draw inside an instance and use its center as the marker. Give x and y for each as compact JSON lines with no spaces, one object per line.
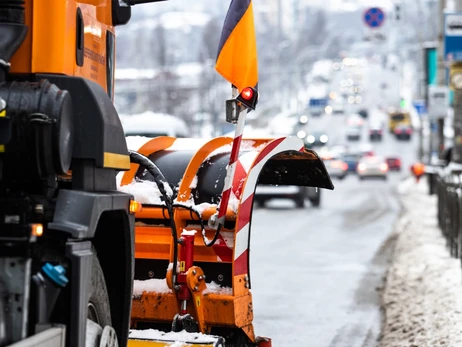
{"x":105,"y":240}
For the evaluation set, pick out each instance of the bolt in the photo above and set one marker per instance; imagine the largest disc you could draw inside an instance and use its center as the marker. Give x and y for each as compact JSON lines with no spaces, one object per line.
{"x":150,"y":274}
{"x":176,"y":287}
{"x":196,"y":289}
{"x":247,"y":285}
{"x":38,"y":209}
{"x":246,"y":278}
{"x":194,"y":272}
{"x":220,"y":277}
{"x":201,"y":278}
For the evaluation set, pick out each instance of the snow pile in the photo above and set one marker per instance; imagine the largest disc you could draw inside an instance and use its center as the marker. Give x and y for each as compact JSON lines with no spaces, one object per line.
{"x":145,"y":192}
{"x":233,"y":202}
{"x":215,"y":288}
{"x":422,"y":298}
{"x":179,"y":337}
{"x":200,"y":208}
{"x":188,"y":232}
{"x":153,"y":285}
{"x":134,"y":143}
{"x":193,"y":184}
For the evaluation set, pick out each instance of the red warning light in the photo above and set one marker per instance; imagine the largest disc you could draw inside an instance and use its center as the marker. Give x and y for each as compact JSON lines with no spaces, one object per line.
{"x":247,"y":93}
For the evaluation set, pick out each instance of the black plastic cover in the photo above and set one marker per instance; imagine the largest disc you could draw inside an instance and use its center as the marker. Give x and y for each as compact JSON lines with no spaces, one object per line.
{"x":98,"y":127}
{"x":120,"y":14}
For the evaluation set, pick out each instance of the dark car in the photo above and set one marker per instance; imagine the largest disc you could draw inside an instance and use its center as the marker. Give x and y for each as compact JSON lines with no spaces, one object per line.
{"x":375,"y":132}
{"x":403,"y":132}
{"x":298,"y":194}
{"x":394,"y":163}
{"x":363,"y":113}
{"x":351,"y":159}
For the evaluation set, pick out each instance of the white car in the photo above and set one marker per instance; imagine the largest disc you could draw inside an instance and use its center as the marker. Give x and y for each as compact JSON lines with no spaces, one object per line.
{"x":338,"y":108}
{"x":372,"y":167}
{"x":353,"y":133}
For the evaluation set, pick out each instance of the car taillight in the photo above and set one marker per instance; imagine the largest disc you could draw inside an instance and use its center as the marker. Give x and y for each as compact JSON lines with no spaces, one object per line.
{"x":336,"y":164}
{"x":344,"y":166}
{"x":408,"y":131}
{"x":383,"y":167}
{"x":397,"y":131}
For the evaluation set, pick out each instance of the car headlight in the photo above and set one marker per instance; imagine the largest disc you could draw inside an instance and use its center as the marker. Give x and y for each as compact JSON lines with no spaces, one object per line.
{"x":310,"y":139}
{"x":301,"y":134}
{"x":303,"y":120}
{"x":323,"y":138}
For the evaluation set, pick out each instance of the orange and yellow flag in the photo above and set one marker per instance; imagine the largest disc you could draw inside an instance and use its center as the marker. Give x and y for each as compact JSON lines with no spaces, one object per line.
{"x":237,"y":58}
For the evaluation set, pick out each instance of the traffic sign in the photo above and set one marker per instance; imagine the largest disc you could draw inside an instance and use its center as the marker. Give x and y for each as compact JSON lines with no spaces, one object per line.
{"x":452,"y":37}
{"x":438,"y":101}
{"x":374,"y":17}
{"x":420,"y":107}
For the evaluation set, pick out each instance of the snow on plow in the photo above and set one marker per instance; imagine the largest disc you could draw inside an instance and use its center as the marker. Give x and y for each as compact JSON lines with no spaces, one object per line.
{"x":192,"y":282}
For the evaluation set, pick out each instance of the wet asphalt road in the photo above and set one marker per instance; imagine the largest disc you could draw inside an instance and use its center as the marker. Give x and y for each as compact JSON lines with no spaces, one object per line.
{"x":316,"y":272}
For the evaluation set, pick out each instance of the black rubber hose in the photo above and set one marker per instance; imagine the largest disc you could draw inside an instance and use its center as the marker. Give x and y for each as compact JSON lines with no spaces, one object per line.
{"x":160,"y":181}
{"x":215,"y":237}
{"x":154,"y":170}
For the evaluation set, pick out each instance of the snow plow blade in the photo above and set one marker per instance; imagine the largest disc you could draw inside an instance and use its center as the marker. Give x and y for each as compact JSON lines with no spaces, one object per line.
{"x":156,"y":338}
{"x":210,"y":288}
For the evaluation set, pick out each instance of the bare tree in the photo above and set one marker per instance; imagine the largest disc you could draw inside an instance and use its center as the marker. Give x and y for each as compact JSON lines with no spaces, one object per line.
{"x":159,"y":46}
{"x":210,"y":40}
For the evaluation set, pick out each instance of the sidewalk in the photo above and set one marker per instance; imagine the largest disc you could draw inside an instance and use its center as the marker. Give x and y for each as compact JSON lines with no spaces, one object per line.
{"x":422,"y":297}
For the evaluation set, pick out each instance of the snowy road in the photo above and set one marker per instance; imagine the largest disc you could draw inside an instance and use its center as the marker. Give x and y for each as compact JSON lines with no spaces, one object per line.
{"x":315,"y":272}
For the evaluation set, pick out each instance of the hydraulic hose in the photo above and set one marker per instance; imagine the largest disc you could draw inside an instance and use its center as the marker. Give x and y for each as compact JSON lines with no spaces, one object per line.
{"x":217,"y":232}
{"x":13,"y":32}
{"x":160,"y":181}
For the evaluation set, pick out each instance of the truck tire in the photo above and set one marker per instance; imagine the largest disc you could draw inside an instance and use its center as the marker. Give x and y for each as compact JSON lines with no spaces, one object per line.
{"x":99,"y":310}
{"x":99,"y":323}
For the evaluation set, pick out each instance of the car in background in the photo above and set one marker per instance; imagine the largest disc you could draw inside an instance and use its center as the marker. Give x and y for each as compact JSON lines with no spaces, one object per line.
{"x":366,"y":150}
{"x":372,"y":167}
{"x":403,"y":132}
{"x":316,"y":138}
{"x":352,"y":160}
{"x":298,"y":194}
{"x":394,"y":163}
{"x":375,"y":131}
{"x":355,"y":120}
{"x":338,"y":108}
{"x":152,"y":124}
{"x":335,"y":167}
{"x":363,"y":113}
{"x":353,"y":133}
{"x":338,"y":150}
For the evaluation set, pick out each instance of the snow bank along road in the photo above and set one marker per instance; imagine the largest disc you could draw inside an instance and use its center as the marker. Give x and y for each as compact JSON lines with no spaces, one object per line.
{"x":422,"y":298}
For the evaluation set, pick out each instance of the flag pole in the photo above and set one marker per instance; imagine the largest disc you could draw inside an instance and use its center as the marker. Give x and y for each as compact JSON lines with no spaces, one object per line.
{"x":237,"y":62}
{"x":218,"y":220}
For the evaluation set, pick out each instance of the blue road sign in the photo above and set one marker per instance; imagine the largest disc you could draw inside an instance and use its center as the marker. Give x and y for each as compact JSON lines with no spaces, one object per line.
{"x":420,"y":107}
{"x":452,"y":37}
{"x":374,"y":17}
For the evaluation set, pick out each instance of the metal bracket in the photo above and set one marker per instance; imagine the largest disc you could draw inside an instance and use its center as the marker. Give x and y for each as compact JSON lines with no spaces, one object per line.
{"x":233,"y":110}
